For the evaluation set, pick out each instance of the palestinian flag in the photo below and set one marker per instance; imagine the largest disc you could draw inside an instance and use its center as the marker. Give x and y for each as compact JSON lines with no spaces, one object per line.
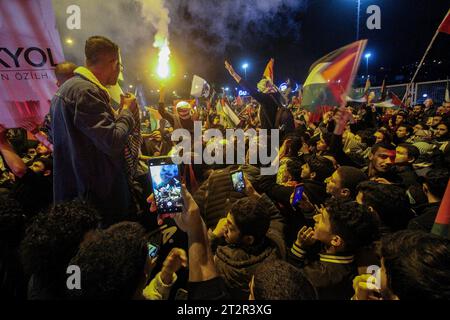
{"x":442,"y":223}
{"x":268,"y":72}
{"x":331,"y":77}
{"x":396,"y":100}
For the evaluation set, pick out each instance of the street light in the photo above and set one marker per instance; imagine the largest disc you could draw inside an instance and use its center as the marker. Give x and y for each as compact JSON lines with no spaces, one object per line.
{"x":245,"y":66}
{"x":367,"y":56}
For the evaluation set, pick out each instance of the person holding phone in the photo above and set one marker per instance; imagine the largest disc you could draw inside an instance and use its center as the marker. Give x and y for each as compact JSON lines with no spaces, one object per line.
{"x":204,"y":280}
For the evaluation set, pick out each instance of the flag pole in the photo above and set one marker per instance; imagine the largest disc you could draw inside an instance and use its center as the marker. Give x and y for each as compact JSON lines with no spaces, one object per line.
{"x":423,"y":58}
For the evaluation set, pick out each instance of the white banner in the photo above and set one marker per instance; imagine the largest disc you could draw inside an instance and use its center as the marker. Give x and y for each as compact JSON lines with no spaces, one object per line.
{"x":30,"y":48}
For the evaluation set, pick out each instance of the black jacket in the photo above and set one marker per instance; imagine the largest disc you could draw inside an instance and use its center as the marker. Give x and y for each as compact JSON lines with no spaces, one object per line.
{"x":408,"y":175}
{"x":237,"y":265}
{"x":426,"y":217}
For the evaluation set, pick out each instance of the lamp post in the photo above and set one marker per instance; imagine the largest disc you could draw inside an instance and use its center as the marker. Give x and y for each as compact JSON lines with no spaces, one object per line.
{"x":245,"y":66}
{"x":367,"y":56}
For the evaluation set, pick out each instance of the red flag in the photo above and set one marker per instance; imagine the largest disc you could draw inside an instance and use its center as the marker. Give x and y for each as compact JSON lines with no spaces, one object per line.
{"x":445,"y":25}
{"x":268,"y":72}
{"x":442,"y":223}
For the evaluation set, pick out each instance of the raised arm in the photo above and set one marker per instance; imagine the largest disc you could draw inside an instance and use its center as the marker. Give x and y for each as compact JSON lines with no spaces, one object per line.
{"x":162,"y":107}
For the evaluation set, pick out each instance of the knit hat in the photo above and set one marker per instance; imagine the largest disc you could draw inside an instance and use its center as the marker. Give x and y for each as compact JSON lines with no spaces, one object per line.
{"x":184,"y":110}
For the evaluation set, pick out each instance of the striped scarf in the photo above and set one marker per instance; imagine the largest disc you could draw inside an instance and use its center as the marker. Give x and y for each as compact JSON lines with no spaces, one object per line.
{"x":132,"y":148}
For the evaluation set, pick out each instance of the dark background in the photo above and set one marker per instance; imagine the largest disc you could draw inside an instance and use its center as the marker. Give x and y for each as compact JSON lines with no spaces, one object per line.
{"x":202,"y":36}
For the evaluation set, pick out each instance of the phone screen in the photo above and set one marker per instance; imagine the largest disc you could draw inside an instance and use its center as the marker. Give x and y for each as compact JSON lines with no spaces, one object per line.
{"x":298,"y":194}
{"x":237,"y":179}
{"x":152,"y":250}
{"x":166,"y":184}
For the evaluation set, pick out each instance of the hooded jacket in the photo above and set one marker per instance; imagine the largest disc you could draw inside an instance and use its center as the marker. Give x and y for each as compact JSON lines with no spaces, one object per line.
{"x":237,"y":264}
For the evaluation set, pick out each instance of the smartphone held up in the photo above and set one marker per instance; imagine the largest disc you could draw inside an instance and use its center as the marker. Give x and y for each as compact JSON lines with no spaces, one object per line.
{"x":237,"y":178}
{"x":166,"y":185}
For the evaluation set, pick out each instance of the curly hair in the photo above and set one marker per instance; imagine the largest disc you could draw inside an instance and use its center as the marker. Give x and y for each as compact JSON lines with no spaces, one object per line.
{"x":279,"y":280}
{"x":112,"y":264}
{"x":416,"y":265}
{"x":354,"y":223}
{"x":53,"y":238}
{"x":251,"y":218}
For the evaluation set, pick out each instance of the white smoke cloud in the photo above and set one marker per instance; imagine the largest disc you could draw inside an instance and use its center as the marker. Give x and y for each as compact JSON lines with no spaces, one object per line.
{"x":211,"y":25}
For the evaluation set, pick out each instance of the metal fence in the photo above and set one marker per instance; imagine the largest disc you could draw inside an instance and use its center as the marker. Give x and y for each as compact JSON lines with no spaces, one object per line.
{"x":420,"y":90}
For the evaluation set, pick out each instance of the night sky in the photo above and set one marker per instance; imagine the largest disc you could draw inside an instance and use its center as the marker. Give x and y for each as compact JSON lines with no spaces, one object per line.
{"x":407,"y":26}
{"x":298,"y":33}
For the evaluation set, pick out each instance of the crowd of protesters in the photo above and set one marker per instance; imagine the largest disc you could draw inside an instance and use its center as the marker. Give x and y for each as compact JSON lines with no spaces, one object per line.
{"x":373,"y":180}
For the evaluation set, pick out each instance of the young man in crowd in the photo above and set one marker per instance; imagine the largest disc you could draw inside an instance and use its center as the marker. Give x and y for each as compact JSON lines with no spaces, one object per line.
{"x":433,"y":184}
{"x":387,"y":201}
{"x":442,"y":133}
{"x":382,"y":160}
{"x":343,"y":182}
{"x":342,"y":228}
{"x":248,"y":243}
{"x":313,"y":173}
{"x":402,"y":134}
{"x":414,"y":266}
{"x":405,"y":155}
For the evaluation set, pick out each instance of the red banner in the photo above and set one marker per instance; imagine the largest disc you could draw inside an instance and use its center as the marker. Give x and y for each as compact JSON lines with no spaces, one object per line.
{"x":30,"y":48}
